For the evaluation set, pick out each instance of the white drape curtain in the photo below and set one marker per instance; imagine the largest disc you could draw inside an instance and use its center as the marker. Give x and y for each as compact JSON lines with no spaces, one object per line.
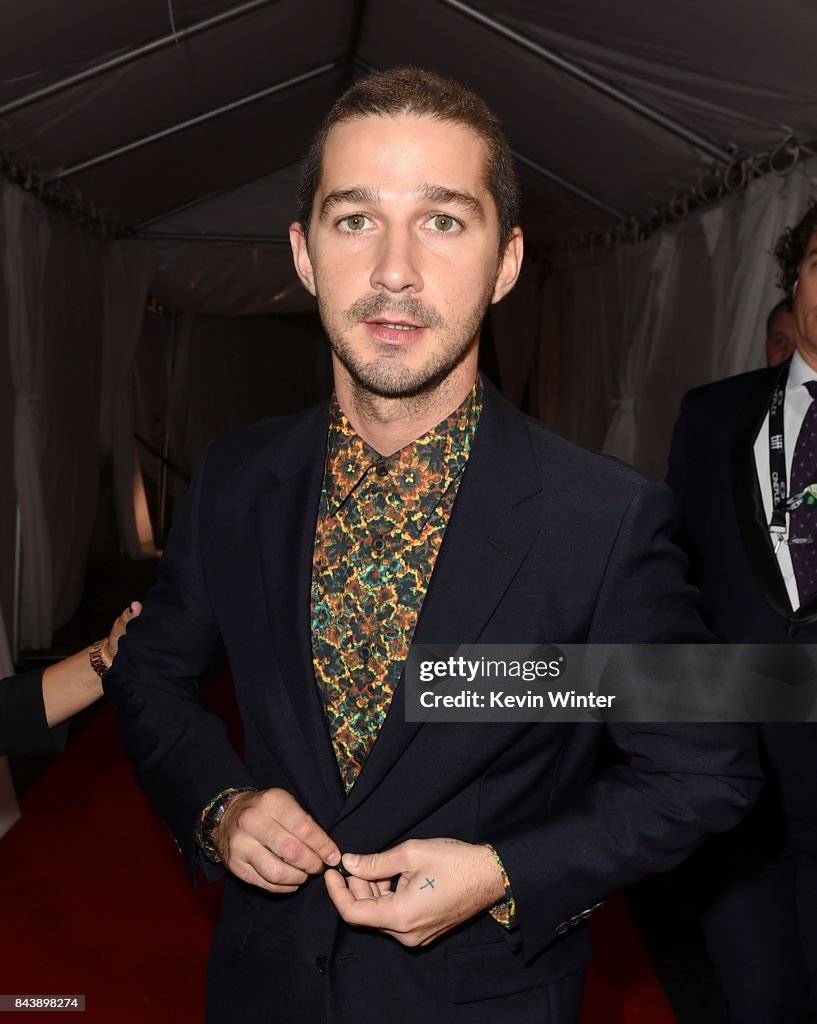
{"x":9,"y":808}
{"x":643,"y":308}
{"x":640,"y":325}
{"x":129,"y":268}
{"x":51,"y":343}
{"x":25,"y":249}
{"x":742,"y":270}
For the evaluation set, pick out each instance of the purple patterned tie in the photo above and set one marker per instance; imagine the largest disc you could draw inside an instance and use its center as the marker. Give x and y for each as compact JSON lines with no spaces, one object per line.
{"x":803,"y":520}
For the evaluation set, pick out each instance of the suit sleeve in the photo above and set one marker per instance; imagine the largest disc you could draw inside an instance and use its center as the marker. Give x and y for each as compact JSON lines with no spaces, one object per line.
{"x":23,"y":725}
{"x":180,"y":753}
{"x":684,"y":782}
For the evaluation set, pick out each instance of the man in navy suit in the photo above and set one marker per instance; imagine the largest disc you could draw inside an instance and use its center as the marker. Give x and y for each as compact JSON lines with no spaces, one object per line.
{"x":743,"y":453}
{"x":416,"y":504}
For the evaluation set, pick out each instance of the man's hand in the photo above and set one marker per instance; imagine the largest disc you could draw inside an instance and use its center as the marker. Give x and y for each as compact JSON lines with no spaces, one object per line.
{"x":268,"y":840}
{"x":442,"y":882}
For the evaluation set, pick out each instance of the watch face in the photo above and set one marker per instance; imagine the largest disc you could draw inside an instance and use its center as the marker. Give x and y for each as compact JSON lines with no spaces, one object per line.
{"x":214,"y":817}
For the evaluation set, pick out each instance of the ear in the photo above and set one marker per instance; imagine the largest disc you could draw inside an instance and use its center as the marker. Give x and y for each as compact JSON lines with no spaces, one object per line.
{"x":510,"y":263}
{"x":300,"y":256}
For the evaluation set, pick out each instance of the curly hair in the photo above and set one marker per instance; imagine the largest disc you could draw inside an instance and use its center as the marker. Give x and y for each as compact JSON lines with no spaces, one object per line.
{"x":791,"y":248}
{"x":410,"y":90}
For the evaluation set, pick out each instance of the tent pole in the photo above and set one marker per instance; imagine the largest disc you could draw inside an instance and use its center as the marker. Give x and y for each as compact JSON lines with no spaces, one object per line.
{"x":568,"y":186}
{"x":719,"y":152}
{"x":146,"y":140}
{"x":190,"y":236}
{"x":206,"y":198}
{"x":154,"y":46}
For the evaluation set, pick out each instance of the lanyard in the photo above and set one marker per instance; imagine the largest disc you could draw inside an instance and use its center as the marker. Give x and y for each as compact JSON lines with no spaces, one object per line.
{"x":777,"y":453}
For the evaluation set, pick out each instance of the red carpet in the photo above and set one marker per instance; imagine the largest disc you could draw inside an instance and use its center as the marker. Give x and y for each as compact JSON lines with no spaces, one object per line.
{"x":96,"y":902}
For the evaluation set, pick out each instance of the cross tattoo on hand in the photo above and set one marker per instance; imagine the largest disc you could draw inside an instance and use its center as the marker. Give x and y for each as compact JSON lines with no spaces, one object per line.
{"x":429,"y":884}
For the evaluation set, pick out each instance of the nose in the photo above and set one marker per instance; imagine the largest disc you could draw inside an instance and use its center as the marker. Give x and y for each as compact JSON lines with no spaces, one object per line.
{"x":396,"y":266}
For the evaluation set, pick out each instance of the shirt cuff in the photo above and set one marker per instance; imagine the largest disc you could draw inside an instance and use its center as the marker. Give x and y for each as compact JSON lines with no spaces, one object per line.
{"x":504,"y":910}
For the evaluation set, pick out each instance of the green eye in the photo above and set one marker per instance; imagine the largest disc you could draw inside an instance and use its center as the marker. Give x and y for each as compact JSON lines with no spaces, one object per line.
{"x":444,"y":223}
{"x":354,"y":222}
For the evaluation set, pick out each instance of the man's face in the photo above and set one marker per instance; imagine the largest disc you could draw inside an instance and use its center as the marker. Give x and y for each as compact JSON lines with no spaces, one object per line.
{"x":804,"y":304}
{"x":780,"y":338}
{"x":403,"y":251}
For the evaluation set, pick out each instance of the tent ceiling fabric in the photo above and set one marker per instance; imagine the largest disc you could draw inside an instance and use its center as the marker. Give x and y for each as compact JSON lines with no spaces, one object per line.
{"x":734,"y":71}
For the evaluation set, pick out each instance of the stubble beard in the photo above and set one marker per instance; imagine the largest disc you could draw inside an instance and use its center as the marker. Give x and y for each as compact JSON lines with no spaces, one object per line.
{"x":385,"y":376}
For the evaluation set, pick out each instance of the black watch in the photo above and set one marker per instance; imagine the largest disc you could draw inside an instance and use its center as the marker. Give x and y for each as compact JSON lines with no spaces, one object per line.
{"x":212,"y":815}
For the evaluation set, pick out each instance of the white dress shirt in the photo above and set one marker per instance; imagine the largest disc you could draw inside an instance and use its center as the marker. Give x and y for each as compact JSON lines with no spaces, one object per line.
{"x":794,"y":411}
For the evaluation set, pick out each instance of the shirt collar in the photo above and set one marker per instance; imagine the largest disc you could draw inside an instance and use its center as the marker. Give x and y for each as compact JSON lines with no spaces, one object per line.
{"x":419,"y":473}
{"x":799,"y":372}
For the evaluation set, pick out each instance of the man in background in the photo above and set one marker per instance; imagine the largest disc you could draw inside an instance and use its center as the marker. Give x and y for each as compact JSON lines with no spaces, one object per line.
{"x":744,"y":452}
{"x":779,"y":333}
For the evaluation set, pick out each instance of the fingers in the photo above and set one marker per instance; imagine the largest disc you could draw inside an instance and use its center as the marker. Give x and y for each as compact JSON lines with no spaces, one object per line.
{"x":133,"y":611}
{"x":359,"y":907}
{"x":265,"y":838}
{"x":377,"y":866}
{"x":362,"y":889}
{"x":275,"y":873}
{"x":306,"y":840}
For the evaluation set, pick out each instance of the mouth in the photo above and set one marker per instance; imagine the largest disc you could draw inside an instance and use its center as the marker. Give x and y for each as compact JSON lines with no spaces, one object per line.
{"x":394,"y":332}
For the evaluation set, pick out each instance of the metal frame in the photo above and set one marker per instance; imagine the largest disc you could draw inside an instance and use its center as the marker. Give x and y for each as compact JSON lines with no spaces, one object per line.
{"x":190,"y":203}
{"x":551,"y":176}
{"x":568,"y":186}
{"x":154,"y":46}
{"x":191,"y":122}
{"x":190,"y":236}
{"x":701,"y":142}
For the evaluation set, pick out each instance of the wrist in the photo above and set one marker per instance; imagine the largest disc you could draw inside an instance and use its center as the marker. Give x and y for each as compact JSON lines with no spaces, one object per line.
{"x":495,"y":879}
{"x":99,"y":658}
{"x":212,"y":819}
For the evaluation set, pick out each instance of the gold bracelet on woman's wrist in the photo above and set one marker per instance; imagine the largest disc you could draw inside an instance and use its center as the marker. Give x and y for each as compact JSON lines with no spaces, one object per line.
{"x":95,"y":654}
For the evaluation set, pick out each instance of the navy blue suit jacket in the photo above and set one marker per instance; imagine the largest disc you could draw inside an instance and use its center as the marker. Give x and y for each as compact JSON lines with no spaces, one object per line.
{"x":722,"y":526}
{"x":547,"y":542}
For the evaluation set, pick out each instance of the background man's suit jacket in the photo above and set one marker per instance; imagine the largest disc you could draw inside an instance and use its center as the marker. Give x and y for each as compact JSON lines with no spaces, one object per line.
{"x":723,"y":529}
{"x":546,"y":543}
{"x":722,"y":524}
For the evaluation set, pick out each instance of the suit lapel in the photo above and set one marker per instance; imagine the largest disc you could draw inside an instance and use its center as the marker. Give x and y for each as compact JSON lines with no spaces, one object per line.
{"x":749,"y":509}
{"x":493,"y":524}
{"x":285,"y":523}
{"x":749,"y":500}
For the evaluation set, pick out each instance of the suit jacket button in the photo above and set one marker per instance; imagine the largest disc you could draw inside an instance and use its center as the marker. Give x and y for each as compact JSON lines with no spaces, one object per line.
{"x":320,"y":963}
{"x":794,"y":629}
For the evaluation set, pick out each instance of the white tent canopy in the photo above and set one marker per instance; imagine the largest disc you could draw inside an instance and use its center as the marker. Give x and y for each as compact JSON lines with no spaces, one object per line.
{"x":178,"y":126}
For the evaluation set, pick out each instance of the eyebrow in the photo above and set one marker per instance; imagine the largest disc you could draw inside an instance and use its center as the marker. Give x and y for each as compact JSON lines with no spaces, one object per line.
{"x":452,"y":197}
{"x":438,"y":194}
{"x":357,"y":194}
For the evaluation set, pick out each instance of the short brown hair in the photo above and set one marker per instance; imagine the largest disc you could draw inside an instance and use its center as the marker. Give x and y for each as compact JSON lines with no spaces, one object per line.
{"x":791,"y":248}
{"x":410,"y":90}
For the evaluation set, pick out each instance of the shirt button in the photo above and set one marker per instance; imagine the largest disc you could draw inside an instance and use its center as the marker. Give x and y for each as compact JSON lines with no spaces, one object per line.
{"x":382,"y":469}
{"x":320,"y":963}
{"x":379,"y":544}
{"x":365,"y":653}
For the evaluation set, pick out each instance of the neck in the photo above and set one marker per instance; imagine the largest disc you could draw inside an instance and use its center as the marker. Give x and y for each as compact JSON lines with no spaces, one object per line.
{"x":809,"y":357}
{"x":389,"y":424}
